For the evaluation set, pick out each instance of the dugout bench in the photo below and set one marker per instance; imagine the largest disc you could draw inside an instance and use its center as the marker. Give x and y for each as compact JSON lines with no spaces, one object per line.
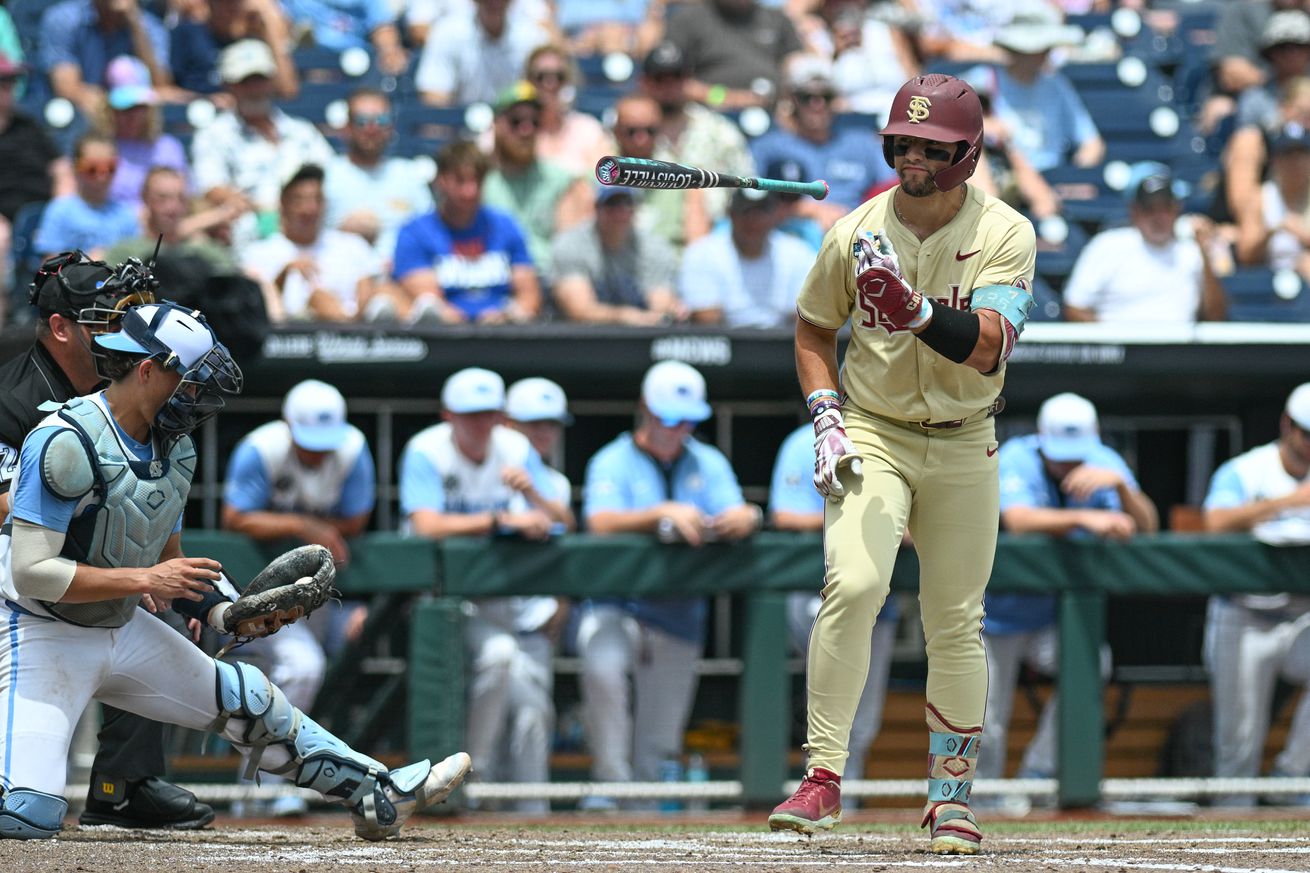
{"x":399,"y":573}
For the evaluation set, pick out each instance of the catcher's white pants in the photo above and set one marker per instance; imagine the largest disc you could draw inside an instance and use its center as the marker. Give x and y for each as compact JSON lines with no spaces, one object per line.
{"x":801,"y":610}
{"x":612,"y":644}
{"x":511,"y":711}
{"x":1245,"y":651}
{"x":50,"y":671}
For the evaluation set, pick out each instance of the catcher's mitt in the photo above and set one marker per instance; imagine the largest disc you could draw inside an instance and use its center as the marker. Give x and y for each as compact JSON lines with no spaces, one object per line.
{"x":292,"y":586}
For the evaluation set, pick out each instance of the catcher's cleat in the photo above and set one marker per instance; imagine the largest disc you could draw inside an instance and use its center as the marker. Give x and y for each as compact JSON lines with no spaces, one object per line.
{"x":814,"y":806}
{"x":147,"y":803}
{"x":405,"y":791}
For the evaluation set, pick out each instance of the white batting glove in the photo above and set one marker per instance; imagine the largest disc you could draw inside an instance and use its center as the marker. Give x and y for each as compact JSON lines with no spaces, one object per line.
{"x":833,"y":450}
{"x":876,"y":250}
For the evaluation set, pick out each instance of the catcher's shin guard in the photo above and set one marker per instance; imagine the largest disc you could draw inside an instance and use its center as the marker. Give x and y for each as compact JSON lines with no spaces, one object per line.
{"x":27,"y":814}
{"x":952,"y":760}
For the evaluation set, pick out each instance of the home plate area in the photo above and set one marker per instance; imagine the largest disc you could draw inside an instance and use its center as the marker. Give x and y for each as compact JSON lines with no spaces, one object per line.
{"x":1270,"y":848}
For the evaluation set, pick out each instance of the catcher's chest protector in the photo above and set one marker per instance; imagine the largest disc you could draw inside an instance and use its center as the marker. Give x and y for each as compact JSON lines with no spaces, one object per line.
{"x":139,"y":504}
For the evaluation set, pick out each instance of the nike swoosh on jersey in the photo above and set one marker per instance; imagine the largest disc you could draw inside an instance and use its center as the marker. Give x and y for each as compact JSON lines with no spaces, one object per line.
{"x":991,"y":450}
{"x":964,"y":256}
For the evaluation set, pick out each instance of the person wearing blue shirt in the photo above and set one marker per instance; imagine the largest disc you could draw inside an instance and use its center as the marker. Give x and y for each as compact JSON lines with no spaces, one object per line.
{"x":795,"y":504}
{"x":466,"y":262}
{"x":307,"y":477}
{"x":655,"y":479}
{"x":1062,"y":481}
{"x":87,"y":220}
{"x":347,"y":24}
{"x":471,"y":475}
{"x":80,"y":37}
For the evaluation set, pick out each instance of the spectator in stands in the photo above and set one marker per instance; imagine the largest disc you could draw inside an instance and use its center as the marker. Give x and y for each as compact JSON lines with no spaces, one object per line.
{"x":420,"y":16}
{"x":792,"y":219}
{"x":133,"y":120}
{"x":542,"y":196}
{"x":872,"y":55}
{"x":346,"y":24}
{"x":247,"y":151}
{"x":321,"y":274}
{"x":849,"y":160}
{"x":1251,"y":640}
{"x":31,"y":168}
{"x":599,"y":27}
{"x":79,"y":37}
{"x":749,"y":274}
{"x":736,"y":50}
{"x":1281,"y":238}
{"x":477,"y":56}
{"x":1145,"y":273}
{"x":689,"y":132}
{"x":796,"y":505}
{"x":306,"y":478}
{"x":1285,"y":45}
{"x":572,"y":139}
{"x":198,"y":40}
{"x":87,"y":219}
{"x":170,"y":224}
{"x":604,"y":272}
{"x":367,"y":192}
{"x":1045,"y":117}
{"x":539,"y":409}
{"x":464,"y":261}
{"x":473,"y":476}
{"x":1236,"y":59}
{"x":1063,"y":482}
{"x":678,"y":217}
{"x":961,"y":30}
{"x":1007,"y":172}
{"x":656,"y":480}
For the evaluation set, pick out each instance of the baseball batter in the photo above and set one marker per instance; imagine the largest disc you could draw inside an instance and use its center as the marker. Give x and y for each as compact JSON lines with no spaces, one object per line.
{"x":933,"y":277}
{"x":95,"y":528}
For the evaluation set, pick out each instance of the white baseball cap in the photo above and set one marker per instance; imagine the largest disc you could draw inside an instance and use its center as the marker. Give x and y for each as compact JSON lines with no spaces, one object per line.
{"x":316,"y":412}
{"x":1067,"y":429}
{"x":1298,"y":406}
{"x":473,"y":389}
{"x":537,"y":400}
{"x":245,"y":58}
{"x":674,"y":392}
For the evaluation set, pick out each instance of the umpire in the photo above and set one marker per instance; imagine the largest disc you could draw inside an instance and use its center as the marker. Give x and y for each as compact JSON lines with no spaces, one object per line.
{"x":77,"y":298}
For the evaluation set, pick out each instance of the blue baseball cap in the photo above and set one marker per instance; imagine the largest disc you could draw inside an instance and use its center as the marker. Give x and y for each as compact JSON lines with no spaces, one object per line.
{"x":674,"y":392}
{"x":1067,"y":429}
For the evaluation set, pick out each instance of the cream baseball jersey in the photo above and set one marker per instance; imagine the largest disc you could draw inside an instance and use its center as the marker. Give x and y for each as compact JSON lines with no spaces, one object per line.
{"x":888,"y":371}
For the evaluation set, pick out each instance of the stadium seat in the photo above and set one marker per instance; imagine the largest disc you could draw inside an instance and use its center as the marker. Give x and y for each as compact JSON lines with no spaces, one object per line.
{"x":1085,"y":197}
{"x":1055,"y":260}
{"x":1251,"y":296}
{"x":25,"y":259}
{"x":422,"y":130}
{"x":1046,"y":303}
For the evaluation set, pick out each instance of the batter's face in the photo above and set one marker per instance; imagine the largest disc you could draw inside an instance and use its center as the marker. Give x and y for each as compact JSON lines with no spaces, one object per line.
{"x":917,"y":160}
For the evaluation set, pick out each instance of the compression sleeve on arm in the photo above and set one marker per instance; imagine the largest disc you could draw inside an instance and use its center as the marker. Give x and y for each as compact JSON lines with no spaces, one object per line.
{"x":953,"y":334}
{"x":38,"y":569}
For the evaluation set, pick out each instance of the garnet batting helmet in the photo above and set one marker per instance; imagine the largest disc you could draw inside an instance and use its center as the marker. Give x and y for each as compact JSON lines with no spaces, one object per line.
{"x":942,"y":109}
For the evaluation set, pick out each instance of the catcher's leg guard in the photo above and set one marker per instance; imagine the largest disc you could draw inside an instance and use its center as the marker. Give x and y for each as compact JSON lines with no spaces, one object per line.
{"x":952,"y":759}
{"x":26,"y":814}
{"x":379,"y":801}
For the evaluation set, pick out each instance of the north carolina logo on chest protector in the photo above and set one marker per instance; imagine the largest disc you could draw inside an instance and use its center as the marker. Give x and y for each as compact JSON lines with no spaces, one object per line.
{"x":136,"y":503}
{"x":918,"y":109}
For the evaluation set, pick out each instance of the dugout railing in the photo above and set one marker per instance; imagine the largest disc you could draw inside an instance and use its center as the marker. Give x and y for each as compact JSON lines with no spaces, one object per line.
{"x":426,"y":582}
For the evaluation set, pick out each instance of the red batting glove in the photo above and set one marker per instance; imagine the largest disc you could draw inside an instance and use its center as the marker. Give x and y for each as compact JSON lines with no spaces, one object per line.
{"x":879,"y":279}
{"x":833,"y":450}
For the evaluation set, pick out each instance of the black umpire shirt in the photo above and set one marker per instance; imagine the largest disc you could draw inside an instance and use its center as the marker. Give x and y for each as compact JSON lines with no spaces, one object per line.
{"x":30,"y":380}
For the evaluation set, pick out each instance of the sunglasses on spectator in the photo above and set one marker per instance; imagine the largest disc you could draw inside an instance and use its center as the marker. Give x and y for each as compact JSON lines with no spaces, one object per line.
{"x":103,"y":169}
{"x":558,"y":77}
{"x":901,"y":147}
{"x":364,"y":119}
{"x":523,"y":120}
{"x":634,"y":130}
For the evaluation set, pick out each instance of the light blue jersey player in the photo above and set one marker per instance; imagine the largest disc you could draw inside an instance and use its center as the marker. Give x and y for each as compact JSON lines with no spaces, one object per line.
{"x":94,"y":530}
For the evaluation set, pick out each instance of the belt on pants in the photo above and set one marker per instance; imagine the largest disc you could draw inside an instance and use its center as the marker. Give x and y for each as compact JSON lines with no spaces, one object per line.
{"x":995,"y":409}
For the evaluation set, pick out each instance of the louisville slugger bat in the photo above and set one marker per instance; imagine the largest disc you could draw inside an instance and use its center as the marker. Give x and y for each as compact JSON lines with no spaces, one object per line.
{"x":643,"y":173}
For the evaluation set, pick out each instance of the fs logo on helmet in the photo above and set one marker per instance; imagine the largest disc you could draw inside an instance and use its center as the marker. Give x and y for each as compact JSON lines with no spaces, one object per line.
{"x":919,"y":109}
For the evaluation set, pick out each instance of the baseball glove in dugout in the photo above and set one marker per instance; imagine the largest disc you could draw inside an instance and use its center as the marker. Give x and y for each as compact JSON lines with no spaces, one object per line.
{"x":291,"y":587}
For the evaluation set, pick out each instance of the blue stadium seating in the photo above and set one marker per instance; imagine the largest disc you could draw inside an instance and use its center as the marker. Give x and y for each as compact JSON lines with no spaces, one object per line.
{"x":25,"y":259}
{"x":1251,"y":297}
{"x":421,"y":130}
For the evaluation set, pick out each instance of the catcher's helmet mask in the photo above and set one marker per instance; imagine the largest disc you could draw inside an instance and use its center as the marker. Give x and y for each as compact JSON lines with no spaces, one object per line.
{"x":942,"y":109}
{"x":90,"y":292}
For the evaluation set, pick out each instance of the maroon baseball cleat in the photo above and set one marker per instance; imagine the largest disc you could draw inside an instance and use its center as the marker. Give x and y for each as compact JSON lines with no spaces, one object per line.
{"x":815,"y":805}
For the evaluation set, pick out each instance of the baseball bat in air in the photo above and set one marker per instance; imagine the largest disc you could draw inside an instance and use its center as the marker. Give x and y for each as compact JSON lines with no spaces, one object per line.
{"x":643,"y":173}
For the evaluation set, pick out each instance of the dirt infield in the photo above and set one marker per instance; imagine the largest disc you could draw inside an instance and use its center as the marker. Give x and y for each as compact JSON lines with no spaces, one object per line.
{"x":326,"y":844}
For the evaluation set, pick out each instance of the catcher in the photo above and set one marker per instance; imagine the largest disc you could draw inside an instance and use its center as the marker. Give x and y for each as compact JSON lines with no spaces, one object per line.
{"x":94,"y":529}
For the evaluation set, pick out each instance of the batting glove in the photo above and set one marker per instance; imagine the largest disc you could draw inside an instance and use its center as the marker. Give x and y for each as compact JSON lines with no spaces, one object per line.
{"x":880,"y":281}
{"x":833,"y":450}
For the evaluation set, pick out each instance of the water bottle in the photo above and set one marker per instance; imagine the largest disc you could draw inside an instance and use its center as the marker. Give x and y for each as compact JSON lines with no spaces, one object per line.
{"x":697,"y":772}
{"x":670,"y":771}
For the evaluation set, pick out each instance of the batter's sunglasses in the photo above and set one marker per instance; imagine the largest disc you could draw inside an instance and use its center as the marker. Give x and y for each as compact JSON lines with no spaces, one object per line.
{"x":901,"y":148}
